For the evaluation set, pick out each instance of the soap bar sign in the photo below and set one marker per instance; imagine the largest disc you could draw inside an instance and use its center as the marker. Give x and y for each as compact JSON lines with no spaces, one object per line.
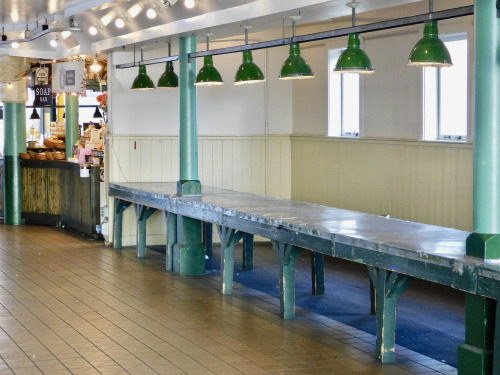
{"x":43,"y":95}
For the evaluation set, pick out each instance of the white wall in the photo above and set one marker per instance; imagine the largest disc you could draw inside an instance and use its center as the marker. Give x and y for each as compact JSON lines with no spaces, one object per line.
{"x":223,"y":110}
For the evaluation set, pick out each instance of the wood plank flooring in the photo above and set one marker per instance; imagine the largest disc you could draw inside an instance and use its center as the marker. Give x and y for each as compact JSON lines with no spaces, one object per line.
{"x":70,"y":305}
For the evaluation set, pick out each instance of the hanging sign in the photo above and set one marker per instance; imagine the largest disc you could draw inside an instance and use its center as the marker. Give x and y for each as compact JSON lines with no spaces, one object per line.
{"x":42,"y":76}
{"x":43,"y":95}
{"x":68,"y":77}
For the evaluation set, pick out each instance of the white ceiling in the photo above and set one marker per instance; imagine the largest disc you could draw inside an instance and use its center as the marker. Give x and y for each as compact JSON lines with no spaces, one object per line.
{"x":222,"y":18}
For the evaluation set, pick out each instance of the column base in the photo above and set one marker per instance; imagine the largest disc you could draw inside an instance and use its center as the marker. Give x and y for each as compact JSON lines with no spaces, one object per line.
{"x":189,"y":187}
{"x":189,"y":259}
{"x":484,"y":246}
{"x":474,"y":361}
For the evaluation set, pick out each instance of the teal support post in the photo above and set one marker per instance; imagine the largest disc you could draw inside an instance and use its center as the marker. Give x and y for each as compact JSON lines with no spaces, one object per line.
{"x":189,"y":251}
{"x":287,"y":255}
{"x":171,"y":221}
{"x":228,"y":238}
{"x":15,"y":142}
{"x":208,"y":239}
{"x":389,"y":286}
{"x":475,"y":357}
{"x":72,"y":129}
{"x":248,"y":252}
{"x":142,"y":213}
{"x":496,"y":350}
{"x":318,"y":273}
{"x":120,"y":206}
{"x":188,"y":135}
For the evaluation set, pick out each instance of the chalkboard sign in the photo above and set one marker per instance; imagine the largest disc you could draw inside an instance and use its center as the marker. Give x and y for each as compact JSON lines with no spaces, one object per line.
{"x":43,"y":95}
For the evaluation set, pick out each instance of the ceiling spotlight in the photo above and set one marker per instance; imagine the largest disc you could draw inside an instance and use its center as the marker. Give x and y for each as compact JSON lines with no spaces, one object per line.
{"x":151,"y":13}
{"x":189,"y":3}
{"x":119,"y":23}
{"x":65,"y":34}
{"x":93,"y":30}
{"x":169,"y":3}
{"x":27,"y":33}
{"x":15,"y":45}
{"x":53,"y":43}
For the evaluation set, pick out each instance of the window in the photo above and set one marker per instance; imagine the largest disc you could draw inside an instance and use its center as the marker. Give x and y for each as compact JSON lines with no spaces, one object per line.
{"x":445,"y":95}
{"x":343,"y":100}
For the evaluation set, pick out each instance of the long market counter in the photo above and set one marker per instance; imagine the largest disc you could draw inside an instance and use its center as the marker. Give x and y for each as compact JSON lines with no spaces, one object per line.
{"x":395,"y":251}
{"x":54,"y":192}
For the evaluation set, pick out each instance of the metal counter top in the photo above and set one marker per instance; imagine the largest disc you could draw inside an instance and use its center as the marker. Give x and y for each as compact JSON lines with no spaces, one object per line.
{"x":424,"y":251}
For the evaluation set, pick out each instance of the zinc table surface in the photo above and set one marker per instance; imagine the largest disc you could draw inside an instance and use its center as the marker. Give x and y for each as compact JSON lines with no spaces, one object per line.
{"x":420,"y":250}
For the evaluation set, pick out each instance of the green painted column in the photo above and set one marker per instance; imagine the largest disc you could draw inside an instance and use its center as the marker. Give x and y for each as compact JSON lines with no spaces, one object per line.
{"x":72,"y":129}
{"x":476,"y":355}
{"x":188,"y":134}
{"x":15,"y":142}
{"x":189,"y":251}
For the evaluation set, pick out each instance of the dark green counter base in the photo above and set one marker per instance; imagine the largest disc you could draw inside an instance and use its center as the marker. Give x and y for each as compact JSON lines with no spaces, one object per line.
{"x":189,"y":259}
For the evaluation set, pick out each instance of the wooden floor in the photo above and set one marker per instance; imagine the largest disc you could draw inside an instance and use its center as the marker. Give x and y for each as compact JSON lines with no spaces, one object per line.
{"x":70,"y":305}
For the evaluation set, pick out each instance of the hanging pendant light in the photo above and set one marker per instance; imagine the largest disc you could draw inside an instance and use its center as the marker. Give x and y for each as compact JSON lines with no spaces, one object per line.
{"x":430,"y":51}
{"x":142,"y":81}
{"x":168,"y":79}
{"x":97,"y":113}
{"x":34,"y":115}
{"x":1,"y":113}
{"x":353,"y":59}
{"x":95,"y":67}
{"x":295,"y":66}
{"x":208,"y":74}
{"x":248,"y":72}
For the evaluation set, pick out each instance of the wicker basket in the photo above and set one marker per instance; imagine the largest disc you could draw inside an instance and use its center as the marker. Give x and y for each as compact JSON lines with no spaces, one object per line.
{"x":41,"y":156}
{"x":49,"y":155}
{"x":25,"y":155}
{"x":48,"y":143}
{"x":59,"y":155}
{"x":32,"y":154}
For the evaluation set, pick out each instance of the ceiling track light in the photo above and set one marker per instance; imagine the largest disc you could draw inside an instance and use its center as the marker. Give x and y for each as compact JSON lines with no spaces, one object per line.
{"x":295,"y":66}
{"x":430,"y":51}
{"x":168,"y":79}
{"x":53,"y":43}
{"x":169,"y":3}
{"x":353,"y":59}
{"x":208,"y":74}
{"x":120,"y":21}
{"x":248,"y":72}
{"x":142,"y":81}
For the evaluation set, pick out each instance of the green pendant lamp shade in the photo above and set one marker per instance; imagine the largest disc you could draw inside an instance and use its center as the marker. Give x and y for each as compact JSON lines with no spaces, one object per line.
{"x":34,"y":115}
{"x":142,"y":81}
{"x":248,"y":72}
{"x":295,"y":67}
{"x":168,"y":79}
{"x":354,"y":59}
{"x":430,"y":51}
{"x":208,"y":74}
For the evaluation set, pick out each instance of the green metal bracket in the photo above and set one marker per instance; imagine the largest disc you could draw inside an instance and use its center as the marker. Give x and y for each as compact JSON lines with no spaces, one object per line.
{"x":318,"y":273}
{"x":484,"y":246}
{"x":208,"y":239}
{"x":120,"y":206}
{"x":496,"y":349}
{"x":143,"y":213}
{"x":189,"y":251}
{"x":228,"y":238}
{"x":171,"y":222}
{"x":189,"y":187}
{"x":248,"y":252}
{"x":287,"y":255}
{"x":389,"y":286}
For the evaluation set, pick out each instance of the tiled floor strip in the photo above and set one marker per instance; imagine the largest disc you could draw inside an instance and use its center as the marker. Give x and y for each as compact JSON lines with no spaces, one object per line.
{"x":70,"y":305}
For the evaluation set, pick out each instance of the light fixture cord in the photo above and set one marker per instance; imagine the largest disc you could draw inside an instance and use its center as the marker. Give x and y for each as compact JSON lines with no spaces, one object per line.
{"x":294,"y":22}
{"x":354,"y":16}
{"x":142,"y":55}
{"x":246,"y":36}
{"x":168,"y":49}
{"x":134,"y":55}
{"x":431,"y":6}
{"x":208,"y":42}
